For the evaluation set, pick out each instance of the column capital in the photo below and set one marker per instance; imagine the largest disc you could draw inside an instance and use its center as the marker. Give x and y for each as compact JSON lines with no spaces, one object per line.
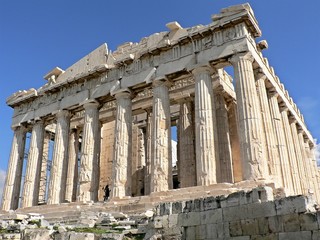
{"x":61,"y":113}
{"x":259,"y":74}
{"x":203,"y":68}
{"x":161,"y":81}
{"x":241,"y":56}
{"x":19,"y":128}
{"x":283,"y":107}
{"x":300,"y":129}
{"x":123,"y":93}
{"x":310,"y":143}
{"x":90,"y":103}
{"x":273,"y":93}
{"x":292,"y":119}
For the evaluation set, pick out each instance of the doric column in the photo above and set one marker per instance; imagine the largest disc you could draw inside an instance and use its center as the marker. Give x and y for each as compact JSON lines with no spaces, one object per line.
{"x":161,"y":162}
{"x":304,"y":159}
{"x":234,"y":141}
{"x":44,"y":168}
{"x":281,"y":140}
{"x":30,"y":195}
{"x":255,"y":165}
{"x":296,"y":186}
{"x":121,"y":168}
{"x":187,"y":159}
{"x":90,"y":153}
{"x":138,"y":161}
{"x":205,"y":119}
{"x":148,"y":143}
{"x":56,"y":191}
{"x":270,"y":135}
{"x":301,"y":169}
{"x":225,"y":169}
{"x":11,"y":191}
{"x":312,"y":158}
{"x":72,"y":174}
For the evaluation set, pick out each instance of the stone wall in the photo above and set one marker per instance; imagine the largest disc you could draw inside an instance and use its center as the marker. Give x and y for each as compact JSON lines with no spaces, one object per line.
{"x":240,"y":216}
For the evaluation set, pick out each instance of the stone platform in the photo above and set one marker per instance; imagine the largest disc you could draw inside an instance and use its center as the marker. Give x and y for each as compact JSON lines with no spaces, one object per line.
{"x":70,"y":212}
{"x":232,"y":214}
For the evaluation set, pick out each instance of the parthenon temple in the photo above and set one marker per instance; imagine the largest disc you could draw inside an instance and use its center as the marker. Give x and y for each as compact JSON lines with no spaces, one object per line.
{"x":107,"y":121}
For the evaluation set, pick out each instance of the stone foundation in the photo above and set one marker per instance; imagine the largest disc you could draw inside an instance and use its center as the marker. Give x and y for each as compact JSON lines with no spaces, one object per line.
{"x":242,"y":215}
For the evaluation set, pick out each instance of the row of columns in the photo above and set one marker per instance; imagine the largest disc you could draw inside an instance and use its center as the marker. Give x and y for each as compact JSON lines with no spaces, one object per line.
{"x":64,"y":171}
{"x":271,"y":154}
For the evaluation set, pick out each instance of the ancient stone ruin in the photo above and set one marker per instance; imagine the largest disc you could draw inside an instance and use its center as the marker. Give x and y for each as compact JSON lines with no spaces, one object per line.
{"x":97,"y":136}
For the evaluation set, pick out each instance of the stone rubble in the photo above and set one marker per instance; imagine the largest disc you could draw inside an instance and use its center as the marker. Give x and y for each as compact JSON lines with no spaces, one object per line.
{"x":245,"y":215}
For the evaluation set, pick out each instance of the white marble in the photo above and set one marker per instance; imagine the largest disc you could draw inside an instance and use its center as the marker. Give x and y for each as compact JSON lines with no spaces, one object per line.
{"x":121,"y":166}
{"x":30,"y":195}
{"x":90,"y":154}
{"x":161,"y":162}
{"x":205,"y":119}
{"x":56,"y":191}
{"x":11,"y":191}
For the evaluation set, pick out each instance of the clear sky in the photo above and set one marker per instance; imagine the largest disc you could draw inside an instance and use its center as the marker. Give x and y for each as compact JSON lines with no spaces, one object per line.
{"x":37,"y":35}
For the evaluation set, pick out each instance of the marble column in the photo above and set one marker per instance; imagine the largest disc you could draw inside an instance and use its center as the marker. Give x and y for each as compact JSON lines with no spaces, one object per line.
{"x":225,"y":169}
{"x":90,"y":153}
{"x":311,"y":155}
{"x":56,"y":191}
{"x":253,"y":156}
{"x":30,"y":196}
{"x":161,"y":162}
{"x":296,"y":186}
{"x":205,"y":119}
{"x":281,"y":141}
{"x":234,"y":141}
{"x":44,"y":169}
{"x":142,"y":162}
{"x":121,"y":168}
{"x":187,"y":159}
{"x":301,"y":169}
{"x":148,"y":143}
{"x":72,"y":175}
{"x":304,"y":159}
{"x":270,"y":135}
{"x":11,"y":191}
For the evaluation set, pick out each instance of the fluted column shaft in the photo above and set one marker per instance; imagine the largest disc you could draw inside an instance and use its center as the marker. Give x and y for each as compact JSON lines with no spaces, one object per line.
{"x":161,"y":165}
{"x":301,"y":169}
{"x":296,"y":185}
{"x":304,"y":160}
{"x":11,"y":191}
{"x":139,"y":153}
{"x":314,"y":167}
{"x":252,"y":146}
{"x":44,"y":168}
{"x":30,"y":195}
{"x":148,"y":142}
{"x":234,"y":141}
{"x":90,"y":154}
{"x":270,"y":135}
{"x":121,"y":168}
{"x":187,"y":158}
{"x":281,"y":141}
{"x":72,"y":175}
{"x":205,"y":119}
{"x":57,"y":182}
{"x":225,"y":169}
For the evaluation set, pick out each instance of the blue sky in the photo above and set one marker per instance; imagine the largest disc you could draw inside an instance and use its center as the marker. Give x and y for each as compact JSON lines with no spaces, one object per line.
{"x":36,"y":36}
